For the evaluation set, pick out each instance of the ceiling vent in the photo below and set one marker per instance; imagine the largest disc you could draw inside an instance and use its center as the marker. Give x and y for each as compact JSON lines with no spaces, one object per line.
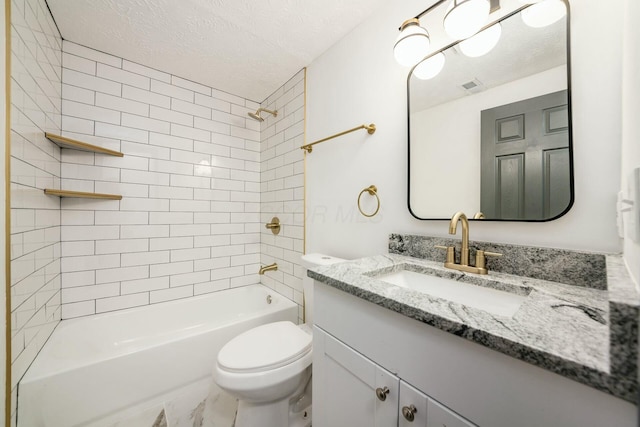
{"x":473,"y":86}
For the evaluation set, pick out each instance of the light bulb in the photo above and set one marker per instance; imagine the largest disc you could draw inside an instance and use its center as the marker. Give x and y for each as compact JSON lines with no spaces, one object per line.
{"x":544,"y":13}
{"x":483,"y":42}
{"x":464,"y":18}
{"x":412,"y":44}
{"x":429,"y":68}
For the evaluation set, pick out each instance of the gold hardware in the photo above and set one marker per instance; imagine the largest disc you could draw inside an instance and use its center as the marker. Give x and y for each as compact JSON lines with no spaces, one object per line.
{"x":373,"y":191}
{"x":480,"y":267}
{"x":479,"y":215}
{"x":451,"y":253}
{"x":371,"y":129}
{"x":410,"y":21}
{"x":382,"y":393}
{"x":270,"y":267}
{"x":304,"y":185}
{"x":259,"y":117}
{"x":64,"y":142}
{"x":481,"y":259}
{"x":274,"y":225}
{"x":81,"y":194}
{"x":453,"y":225}
{"x":9,"y":322}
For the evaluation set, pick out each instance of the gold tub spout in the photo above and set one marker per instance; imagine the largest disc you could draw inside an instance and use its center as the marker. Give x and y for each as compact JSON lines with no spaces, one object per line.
{"x":265,"y":268}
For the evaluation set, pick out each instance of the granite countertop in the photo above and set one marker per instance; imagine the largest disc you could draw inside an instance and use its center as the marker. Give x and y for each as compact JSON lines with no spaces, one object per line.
{"x":562,"y":328}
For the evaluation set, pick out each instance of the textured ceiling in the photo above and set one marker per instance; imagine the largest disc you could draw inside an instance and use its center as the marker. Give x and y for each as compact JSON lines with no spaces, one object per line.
{"x":246,"y":47}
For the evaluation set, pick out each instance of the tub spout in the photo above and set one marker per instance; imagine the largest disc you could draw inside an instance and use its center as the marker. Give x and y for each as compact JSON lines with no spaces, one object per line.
{"x":265,"y":268}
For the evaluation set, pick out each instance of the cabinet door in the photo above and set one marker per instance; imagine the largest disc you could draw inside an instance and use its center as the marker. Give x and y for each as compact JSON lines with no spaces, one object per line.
{"x":345,"y":387}
{"x":412,"y":410}
{"x":440,"y":416}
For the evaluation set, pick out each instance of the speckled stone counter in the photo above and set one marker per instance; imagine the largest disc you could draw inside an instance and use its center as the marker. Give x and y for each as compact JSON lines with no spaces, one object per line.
{"x":563,"y":328}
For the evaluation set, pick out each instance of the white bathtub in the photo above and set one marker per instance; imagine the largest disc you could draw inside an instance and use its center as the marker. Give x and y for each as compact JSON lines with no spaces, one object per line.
{"x":96,"y":366}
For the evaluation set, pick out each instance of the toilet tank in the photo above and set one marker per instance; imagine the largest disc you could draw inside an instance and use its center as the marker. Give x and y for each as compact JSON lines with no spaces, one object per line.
{"x":311,"y":261}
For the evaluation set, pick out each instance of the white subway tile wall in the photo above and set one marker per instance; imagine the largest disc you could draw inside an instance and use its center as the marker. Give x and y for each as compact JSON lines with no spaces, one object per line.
{"x":189,"y":219}
{"x":199,"y":180}
{"x":35,"y":164}
{"x":282,"y":189}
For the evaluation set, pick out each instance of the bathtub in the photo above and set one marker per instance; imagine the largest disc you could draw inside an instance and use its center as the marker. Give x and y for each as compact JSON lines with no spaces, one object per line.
{"x":94,"y":367}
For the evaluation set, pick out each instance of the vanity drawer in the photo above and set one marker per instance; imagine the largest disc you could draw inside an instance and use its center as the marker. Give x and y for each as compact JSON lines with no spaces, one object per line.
{"x":440,"y":416}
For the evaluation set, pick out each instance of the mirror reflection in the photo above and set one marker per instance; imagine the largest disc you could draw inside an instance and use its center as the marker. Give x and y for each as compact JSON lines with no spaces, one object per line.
{"x":490,"y":124}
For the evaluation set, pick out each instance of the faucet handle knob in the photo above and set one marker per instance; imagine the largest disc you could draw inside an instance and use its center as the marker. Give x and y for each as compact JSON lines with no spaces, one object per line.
{"x":451,"y":253}
{"x":481,"y":258}
{"x":493,"y":254}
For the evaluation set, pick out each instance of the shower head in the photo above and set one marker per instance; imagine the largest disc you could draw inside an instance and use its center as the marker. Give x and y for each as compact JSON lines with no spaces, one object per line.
{"x":258,"y":117}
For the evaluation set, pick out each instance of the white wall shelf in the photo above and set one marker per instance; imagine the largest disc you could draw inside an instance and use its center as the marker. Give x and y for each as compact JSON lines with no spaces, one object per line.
{"x":64,"y":142}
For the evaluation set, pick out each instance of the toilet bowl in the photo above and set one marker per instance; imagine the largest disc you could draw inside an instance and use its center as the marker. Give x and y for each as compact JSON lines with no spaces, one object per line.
{"x":268,"y":368}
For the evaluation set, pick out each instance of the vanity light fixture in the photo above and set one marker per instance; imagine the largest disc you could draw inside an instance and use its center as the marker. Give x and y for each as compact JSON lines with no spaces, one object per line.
{"x":412,"y":44}
{"x":464,"y":18}
{"x":544,"y":13}
{"x":483,"y":42}
{"x":430,"y":67}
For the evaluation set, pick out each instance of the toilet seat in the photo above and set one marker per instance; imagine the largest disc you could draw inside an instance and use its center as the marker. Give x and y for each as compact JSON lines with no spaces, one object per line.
{"x":265,"y":348}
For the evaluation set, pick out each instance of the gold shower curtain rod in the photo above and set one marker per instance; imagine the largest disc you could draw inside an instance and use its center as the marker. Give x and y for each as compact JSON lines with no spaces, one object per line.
{"x":370,"y":130}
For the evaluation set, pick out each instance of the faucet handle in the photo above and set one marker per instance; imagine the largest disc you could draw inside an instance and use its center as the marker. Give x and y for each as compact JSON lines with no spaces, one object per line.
{"x":481,"y":259}
{"x":451,"y":253}
{"x":493,"y":254}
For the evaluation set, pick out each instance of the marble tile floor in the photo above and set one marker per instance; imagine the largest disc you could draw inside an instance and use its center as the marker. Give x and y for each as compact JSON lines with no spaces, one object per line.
{"x":200,"y":404}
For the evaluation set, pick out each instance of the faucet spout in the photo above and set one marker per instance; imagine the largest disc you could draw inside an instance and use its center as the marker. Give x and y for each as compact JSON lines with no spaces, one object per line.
{"x":453,"y":227}
{"x":450,"y":262}
{"x":270,"y":267}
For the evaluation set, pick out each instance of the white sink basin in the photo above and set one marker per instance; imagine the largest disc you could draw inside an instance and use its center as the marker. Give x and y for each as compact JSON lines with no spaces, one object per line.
{"x":497,"y":302}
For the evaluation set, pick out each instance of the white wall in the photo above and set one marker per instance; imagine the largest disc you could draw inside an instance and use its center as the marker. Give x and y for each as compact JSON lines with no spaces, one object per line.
{"x":282,"y":189}
{"x":189,"y":220}
{"x":630,"y":123}
{"x":358,"y":81}
{"x":35,"y":164}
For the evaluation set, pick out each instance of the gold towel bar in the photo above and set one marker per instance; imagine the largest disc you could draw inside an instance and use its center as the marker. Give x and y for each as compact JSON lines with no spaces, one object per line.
{"x":371,"y":129}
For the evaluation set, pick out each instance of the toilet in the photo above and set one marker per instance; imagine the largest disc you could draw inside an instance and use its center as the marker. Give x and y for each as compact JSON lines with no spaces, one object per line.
{"x":268,"y":368}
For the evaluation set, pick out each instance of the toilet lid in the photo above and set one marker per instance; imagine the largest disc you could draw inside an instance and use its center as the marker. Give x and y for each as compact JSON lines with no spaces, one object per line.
{"x":265,"y":347}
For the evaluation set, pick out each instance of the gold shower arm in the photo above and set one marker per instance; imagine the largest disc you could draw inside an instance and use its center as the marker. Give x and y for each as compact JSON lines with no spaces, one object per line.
{"x":370,"y":130}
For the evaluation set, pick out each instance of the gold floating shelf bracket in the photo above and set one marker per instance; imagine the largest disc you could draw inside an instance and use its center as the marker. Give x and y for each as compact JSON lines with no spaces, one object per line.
{"x":81,"y":194}
{"x":371,"y":129}
{"x":64,"y":142}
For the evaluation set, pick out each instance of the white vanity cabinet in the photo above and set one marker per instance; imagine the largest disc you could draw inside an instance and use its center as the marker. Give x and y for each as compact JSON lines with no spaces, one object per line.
{"x":415,"y":409}
{"x":350,"y":390}
{"x":453,"y":382}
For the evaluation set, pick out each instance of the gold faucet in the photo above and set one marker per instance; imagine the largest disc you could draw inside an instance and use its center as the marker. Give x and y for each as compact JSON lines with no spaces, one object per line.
{"x":480,"y":267}
{"x":453,"y":228}
{"x":271,"y":267}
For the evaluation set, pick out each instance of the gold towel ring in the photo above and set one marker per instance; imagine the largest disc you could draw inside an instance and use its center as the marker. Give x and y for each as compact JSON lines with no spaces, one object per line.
{"x":373,"y":191}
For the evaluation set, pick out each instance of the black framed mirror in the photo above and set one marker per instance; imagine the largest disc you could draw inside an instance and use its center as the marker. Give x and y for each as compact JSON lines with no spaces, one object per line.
{"x":491,"y":135}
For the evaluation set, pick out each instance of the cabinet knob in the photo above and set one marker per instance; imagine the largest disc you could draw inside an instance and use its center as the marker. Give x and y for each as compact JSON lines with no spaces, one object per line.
{"x":409,"y":412}
{"x":382,"y":393}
